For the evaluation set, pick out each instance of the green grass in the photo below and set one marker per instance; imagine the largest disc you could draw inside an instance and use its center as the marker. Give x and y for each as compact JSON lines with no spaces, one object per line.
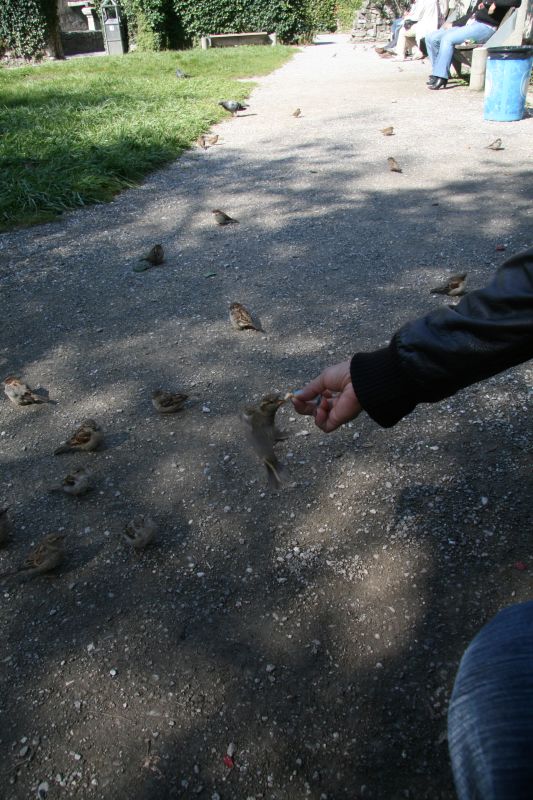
{"x":77,"y":132}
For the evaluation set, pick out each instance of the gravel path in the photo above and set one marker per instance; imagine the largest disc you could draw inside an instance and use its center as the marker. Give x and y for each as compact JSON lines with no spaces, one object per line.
{"x":318,"y":629}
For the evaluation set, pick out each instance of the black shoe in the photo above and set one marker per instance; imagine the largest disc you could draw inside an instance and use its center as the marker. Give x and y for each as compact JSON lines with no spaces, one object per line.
{"x":440,"y":83}
{"x":431,"y":80}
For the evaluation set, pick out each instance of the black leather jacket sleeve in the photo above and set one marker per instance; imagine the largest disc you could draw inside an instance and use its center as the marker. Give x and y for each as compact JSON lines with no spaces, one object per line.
{"x":431,"y":358}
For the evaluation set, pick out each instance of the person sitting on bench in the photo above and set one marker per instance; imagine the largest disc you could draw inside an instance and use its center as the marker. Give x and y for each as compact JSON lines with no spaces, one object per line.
{"x":478,"y":25}
{"x":424,"y":17}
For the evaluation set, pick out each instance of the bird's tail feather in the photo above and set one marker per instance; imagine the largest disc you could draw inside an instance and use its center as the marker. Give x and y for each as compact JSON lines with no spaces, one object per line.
{"x":64,"y":448}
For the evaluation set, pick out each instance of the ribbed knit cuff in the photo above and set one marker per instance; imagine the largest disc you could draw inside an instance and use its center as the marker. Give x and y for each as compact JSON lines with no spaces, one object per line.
{"x":381,"y":386}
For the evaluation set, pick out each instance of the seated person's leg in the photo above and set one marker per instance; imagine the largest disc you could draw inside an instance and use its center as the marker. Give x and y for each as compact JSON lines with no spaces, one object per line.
{"x":395,"y":30}
{"x":433,"y":45}
{"x":448,"y":40}
{"x":490,"y":719}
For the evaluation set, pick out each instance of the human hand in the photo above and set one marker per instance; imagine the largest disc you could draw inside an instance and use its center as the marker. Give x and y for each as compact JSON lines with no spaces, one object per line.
{"x":338,"y":402}
{"x":492,"y":8}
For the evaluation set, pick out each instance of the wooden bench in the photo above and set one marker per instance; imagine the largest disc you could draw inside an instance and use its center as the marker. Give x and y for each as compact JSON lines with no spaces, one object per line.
{"x":237,"y":39}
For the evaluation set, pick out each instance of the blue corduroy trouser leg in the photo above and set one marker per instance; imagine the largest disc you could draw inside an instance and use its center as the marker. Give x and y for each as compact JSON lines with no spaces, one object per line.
{"x":440,"y":44}
{"x":490,"y":719}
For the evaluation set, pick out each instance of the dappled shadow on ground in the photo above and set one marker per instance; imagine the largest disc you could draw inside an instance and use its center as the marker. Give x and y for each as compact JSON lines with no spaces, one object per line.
{"x":318,"y":628}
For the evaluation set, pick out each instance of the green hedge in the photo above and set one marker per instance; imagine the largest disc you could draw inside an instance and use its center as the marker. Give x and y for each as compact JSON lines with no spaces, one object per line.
{"x":290,"y":19}
{"x":29,"y":28}
{"x":322,"y":14}
{"x":23,"y":27}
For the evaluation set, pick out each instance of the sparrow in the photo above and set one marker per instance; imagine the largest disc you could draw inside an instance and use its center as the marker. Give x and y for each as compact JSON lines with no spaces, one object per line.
{"x":393,"y":165}
{"x":211,"y":139}
{"x":454,"y":286}
{"x":168,"y":402}
{"x":388,"y":131}
{"x":4,"y":526}
{"x":140,"y":531}
{"x":154,"y":257}
{"x":78,"y":482}
{"x":43,"y":558}
{"x":297,"y":113}
{"x":495,"y":145}
{"x":232,"y":106}
{"x":221,"y":218}
{"x":241,"y":318}
{"x":180,"y":74}
{"x":201,"y":142}
{"x":19,"y":393}
{"x":262,"y":435}
{"x":88,"y":437}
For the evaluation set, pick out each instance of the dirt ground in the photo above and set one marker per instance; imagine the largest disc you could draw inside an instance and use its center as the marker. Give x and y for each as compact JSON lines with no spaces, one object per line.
{"x":316,"y":630}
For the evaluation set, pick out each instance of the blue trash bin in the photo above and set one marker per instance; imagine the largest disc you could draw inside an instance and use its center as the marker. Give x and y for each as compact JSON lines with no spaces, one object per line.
{"x":506,"y":82}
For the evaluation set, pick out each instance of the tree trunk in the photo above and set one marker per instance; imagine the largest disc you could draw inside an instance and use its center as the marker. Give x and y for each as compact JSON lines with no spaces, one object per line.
{"x":54,"y":46}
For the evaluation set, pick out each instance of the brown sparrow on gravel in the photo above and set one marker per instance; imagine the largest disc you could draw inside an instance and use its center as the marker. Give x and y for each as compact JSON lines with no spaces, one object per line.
{"x":262,"y":435}
{"x":240,"y":318}
{"x":140,"y":531}
{"x":388,"y":131}
{"x":393,"y":165}
{"x":78,"y":482}
{"x":154,"y":257}
{"x":4,"y":526}
{"x":19,"y":393}
{"x":495,"y":145}
{"x":297,"y":113}
{"x":88,"y":437}
{"x":168,"y":402}
{"x":221,"y":218}
{"x":211,"y":139}
{"x":454,"y":286}
{"x":201,"y":142}
{"x":45,"y":557}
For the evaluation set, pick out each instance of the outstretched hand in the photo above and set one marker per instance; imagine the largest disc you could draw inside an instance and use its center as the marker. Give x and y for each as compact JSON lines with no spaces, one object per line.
{"x":337,"y":402}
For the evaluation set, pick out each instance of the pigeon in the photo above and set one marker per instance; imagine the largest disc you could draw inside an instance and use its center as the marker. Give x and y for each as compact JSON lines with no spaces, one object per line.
{"x":43,"y":558}
{"x":454,"y":286}
{"x":20,"y":394}
{"x":496,"y":145}
{"x":241,"y":318}
{"x":232,"y":106}
{"x":221,"y":218}
{"x":393,"y":165}
{"x":388,"y":131}
{"x":4,"y":526}
{"x":140,"y":532}
{"x":262,"y":435}
{"x":154,"y":257}
{"x":88,"y":437}
{"x":168,"y":402}
{"x":297,"y":113}
{"x":78,"y":482}
{"x":180,"y":74}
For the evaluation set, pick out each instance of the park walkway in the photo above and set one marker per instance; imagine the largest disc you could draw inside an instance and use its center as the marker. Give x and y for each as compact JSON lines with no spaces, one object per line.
{"x":317,"y":629}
